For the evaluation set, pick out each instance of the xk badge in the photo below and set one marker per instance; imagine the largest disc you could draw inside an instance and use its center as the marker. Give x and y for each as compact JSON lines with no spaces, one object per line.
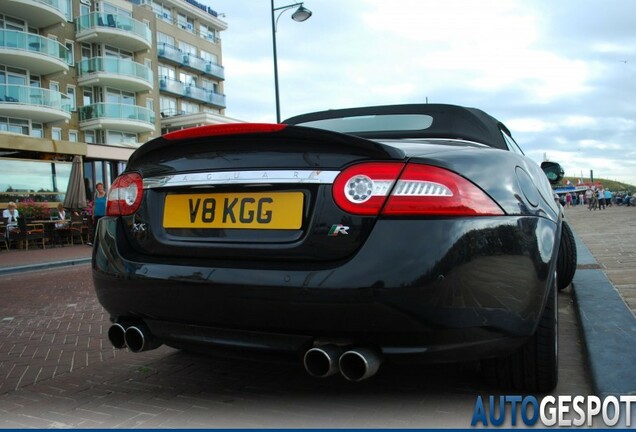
{"x":338,"y":229}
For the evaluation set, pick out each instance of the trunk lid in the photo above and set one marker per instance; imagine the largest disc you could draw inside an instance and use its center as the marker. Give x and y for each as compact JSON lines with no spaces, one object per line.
{"x":249,"y":195}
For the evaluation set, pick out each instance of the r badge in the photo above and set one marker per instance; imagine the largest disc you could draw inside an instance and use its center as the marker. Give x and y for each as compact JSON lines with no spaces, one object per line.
{"x":338,"y":229}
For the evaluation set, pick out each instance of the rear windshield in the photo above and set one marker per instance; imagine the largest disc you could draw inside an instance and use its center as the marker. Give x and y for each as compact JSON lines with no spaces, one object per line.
{"x":373,"y":123}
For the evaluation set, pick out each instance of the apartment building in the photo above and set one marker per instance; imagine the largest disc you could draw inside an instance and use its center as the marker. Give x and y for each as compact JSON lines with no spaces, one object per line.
{"x":97,"y":78}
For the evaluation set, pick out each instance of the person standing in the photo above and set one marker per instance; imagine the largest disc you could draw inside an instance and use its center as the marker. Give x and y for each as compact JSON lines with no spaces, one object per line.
{"x":601,"y":198}
{"x":589,"y":198}
{"x":99,"y":208}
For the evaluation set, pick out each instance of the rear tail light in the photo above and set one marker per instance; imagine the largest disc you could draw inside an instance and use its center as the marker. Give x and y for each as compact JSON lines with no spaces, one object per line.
{"x":124,"y":197}
{"x":362,"y":189}
{"x":396,"y":189}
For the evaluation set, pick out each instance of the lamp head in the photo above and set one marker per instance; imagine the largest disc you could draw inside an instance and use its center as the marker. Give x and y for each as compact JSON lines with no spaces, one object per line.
{"x":301,"y":14}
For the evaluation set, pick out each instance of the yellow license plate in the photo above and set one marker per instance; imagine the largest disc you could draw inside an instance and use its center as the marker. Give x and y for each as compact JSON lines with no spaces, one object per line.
{"x":275,"y":210}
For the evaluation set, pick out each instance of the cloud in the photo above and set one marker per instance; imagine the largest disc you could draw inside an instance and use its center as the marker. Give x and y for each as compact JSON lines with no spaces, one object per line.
{"x":561,"y":75}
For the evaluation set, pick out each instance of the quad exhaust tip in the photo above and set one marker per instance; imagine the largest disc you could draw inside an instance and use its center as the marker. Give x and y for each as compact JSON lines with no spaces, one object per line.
{"x":359,"y":364}
{"x":116,"y":336}
{"x":322,"y":362}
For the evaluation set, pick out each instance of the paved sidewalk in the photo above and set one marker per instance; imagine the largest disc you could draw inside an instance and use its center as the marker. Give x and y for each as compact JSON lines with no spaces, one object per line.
{"x":17,"y":260}
{"x":604,"y":288}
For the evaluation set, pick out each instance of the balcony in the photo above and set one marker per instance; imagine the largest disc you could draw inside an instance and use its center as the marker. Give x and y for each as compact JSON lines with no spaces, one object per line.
{"x":171,"y":86}
{"x":38,"y":13}
{"x":123,"y":117}
{"x":117,"y":30}
{"x":215,"y":70}
{"x":217,"y":99}
{"x":115,"y":72}
{"x":191,"y":92}
{"x":169,"y":52}
{"x":206,"y":67}
{"x":40,"y":55}
{"x":38,"y":104}
{"x":190,"y":61}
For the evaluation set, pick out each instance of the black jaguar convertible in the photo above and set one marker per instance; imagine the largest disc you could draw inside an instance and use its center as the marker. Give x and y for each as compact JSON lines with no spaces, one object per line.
{"x":346,"y":238}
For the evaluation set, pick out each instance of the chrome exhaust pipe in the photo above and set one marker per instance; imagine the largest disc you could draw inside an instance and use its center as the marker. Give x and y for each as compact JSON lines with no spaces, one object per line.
{"x":322,"y":361}
{"x":116,"y":335}
{"x":138,"y":338}
{"x":359,"y":364}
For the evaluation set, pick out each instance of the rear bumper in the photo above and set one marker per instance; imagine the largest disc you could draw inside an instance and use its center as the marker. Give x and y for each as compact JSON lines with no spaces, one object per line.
{"x":414,"y":291}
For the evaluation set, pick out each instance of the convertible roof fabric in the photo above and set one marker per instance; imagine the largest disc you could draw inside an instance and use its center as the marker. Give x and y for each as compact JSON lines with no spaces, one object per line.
{"x":449,"y":121}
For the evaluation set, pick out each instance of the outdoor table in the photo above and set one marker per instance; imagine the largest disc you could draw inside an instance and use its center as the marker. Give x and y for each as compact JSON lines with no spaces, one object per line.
{"x":50,"y":230}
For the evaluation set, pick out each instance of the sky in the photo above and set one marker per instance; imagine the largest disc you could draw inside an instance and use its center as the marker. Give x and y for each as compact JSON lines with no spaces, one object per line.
{"x":560,"y":74}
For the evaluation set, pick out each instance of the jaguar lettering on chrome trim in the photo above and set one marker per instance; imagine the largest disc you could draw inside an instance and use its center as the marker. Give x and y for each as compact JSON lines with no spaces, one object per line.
{"x":241,"y":177}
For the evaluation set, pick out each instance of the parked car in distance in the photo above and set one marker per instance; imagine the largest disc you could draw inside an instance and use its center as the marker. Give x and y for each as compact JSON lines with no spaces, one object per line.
{"x":344,"y":239}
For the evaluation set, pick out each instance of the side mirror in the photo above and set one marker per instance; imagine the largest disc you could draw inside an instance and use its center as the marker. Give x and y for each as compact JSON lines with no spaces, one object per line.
{"x":553,"y":171}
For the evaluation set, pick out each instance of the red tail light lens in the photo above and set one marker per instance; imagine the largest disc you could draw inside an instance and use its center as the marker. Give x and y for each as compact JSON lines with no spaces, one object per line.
{"x":124,"y":197}
{"x":429,"y":190}
{"x":394,"y":189}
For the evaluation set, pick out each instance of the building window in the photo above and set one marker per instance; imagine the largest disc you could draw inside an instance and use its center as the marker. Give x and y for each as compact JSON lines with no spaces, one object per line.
{"x":71,"y":54}
{"x":89,"y":137}
{"x":70,"y":91}
{"x":163,"y":12}
{"x":73,"y":136}
{"x":168,"y":106}
{"x":189,"y":107}
{"x":117,"y":137}
{"x":14,"y":125}
{"x":207,"y":33}
{"x":37,"y":130}
{"x":56,"y":133}
{"x":163,"y":38}
{"x":186,"y":48}
{"x":54,"y":86}
{"x":166,"y":72}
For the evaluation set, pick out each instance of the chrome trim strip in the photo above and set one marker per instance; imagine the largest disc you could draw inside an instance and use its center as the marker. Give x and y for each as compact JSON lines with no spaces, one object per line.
{"x":241,"y":177}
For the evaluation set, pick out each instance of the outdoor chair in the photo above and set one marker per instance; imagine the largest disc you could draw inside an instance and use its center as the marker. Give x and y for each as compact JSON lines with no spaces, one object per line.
{"x":31,"y":232}
{"x":3,"y":239}
{"x":77,"y":229}
{"x":61,"y":232}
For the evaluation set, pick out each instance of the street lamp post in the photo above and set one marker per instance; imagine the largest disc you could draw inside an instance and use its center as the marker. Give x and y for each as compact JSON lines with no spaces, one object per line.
{"x":301,"y":14}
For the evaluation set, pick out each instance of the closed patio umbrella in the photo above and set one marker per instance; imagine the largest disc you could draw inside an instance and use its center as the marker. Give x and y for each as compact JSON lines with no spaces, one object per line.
{"x":75,"y":198}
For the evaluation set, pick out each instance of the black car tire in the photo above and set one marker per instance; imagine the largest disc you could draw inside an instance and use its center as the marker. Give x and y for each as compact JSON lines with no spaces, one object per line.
{"x":535,"y":366}
{"x":566,"y":261}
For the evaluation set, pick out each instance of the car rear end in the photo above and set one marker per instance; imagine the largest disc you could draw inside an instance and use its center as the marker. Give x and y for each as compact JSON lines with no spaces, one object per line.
{"x":278,"y":238}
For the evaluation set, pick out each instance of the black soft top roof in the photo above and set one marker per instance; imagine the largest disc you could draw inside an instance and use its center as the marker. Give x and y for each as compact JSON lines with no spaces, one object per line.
{"x":448,"y":121}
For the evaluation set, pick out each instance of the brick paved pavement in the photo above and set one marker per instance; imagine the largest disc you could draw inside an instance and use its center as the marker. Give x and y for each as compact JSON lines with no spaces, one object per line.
{"x":610,"y":235}
{"x":58,"y":370}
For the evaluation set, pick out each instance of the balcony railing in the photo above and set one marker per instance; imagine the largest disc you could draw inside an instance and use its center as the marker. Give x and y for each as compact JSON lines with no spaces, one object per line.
{"x":114,"y":66}
{"x":191,"y":92}
{"x":114,"y":21}
{"x":26,"y":95}
{"x":217,"y":99}
{"x":19,"y":40}
{"x":172,"y":86}
{"x":116,"y":111}
{"x":38,"y":13}
{"x":170,"y":52}
{"x":191,"y":61}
